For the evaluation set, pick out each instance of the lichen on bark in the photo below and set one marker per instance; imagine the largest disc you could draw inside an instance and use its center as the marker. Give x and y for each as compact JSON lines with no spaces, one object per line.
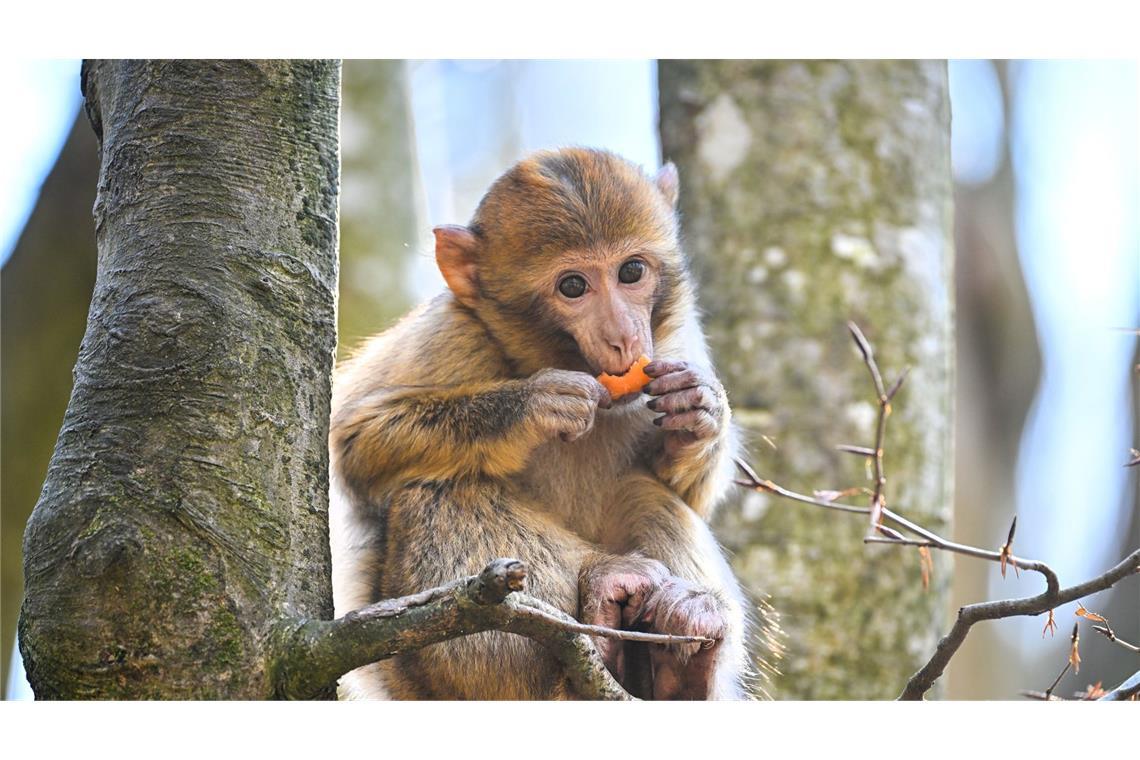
{"x":814,"y":193}
{"x":185,"y":508}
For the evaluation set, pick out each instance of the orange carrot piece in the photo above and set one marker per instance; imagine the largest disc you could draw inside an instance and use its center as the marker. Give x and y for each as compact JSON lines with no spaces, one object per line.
{"x":632,"y":381}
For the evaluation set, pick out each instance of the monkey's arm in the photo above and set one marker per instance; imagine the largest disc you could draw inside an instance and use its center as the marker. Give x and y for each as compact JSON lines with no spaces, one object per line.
{"x":696,"y":452}
{"x":398,"y":433}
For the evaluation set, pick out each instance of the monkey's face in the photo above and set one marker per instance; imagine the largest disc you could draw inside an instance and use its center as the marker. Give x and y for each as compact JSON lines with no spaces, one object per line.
{"x":571,"y":260}
{"x":603,"y":299}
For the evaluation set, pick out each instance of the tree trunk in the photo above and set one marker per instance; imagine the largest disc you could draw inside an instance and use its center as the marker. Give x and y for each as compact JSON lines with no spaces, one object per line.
{"x":44,"y":293}
{"x":185,"y":509}
{"x":814,"y":193}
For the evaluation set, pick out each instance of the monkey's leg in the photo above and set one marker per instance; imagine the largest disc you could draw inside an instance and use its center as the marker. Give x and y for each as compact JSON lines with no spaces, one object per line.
{"x":356,"y":538}
{"x":439,"y":531}
{"x":698,"y":594}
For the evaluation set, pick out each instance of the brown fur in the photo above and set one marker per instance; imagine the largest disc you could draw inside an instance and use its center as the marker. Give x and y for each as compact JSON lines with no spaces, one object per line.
{"x":468,"y":432}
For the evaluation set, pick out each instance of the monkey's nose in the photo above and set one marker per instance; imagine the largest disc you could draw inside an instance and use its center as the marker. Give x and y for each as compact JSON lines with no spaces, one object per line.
{"x":626,"y":347}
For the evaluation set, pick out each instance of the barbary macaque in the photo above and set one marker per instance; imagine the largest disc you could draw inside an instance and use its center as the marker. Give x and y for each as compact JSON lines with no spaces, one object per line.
{"x":475,"y":428}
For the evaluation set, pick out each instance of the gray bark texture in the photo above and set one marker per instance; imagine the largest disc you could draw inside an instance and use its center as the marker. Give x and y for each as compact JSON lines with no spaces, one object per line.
{"x":185,"y":508}
{"x":813,"y":193}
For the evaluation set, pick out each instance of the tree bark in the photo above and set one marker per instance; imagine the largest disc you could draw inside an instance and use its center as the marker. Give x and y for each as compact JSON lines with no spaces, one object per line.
{"x":185,"y":508}
{"x":813,"y":193}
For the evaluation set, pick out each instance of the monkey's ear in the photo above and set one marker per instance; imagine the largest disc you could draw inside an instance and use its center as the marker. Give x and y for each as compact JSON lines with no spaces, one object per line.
{"x":455,"y":248}
{"x":669,"y":183}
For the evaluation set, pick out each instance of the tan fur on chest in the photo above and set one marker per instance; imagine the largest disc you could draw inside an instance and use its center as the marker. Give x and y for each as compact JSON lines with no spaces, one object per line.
{"x":574,"y":482}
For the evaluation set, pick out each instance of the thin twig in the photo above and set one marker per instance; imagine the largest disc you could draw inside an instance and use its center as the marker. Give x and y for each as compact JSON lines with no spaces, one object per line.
{"x":931,"y":540}
{"x":1111,"y":636}
{"x":1057,"y":680}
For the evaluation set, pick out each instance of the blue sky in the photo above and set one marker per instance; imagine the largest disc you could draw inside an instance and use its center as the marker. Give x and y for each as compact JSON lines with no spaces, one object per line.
{"x":46,"y":95}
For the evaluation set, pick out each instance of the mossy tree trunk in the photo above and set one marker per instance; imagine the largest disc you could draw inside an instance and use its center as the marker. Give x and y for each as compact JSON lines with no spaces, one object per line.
{"x":184,"y":515}
{"x":814,"y":193}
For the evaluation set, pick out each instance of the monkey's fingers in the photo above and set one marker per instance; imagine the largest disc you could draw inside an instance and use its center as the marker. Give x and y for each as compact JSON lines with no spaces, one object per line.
{"x":700,"y":397}
{"x":659,"y":367}
{"x":697,"y":422}
{"x":675,"y":381}
{"x":602,"y":395}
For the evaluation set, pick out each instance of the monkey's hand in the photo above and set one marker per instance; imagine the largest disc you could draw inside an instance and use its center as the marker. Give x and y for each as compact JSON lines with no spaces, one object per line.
{"x":562,"y":404}
{"x":636,"y":593}
{"x":694,"y":404}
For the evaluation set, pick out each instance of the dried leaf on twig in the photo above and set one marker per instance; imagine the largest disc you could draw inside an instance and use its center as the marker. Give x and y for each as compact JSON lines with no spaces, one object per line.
{"x":927,"y":564}
{"x":1050,"y":626}
{"x":1092,"y":692}
{"x":1082,"y":612}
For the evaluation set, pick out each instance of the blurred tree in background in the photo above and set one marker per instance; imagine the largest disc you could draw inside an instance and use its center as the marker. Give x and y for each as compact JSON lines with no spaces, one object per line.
{"x":813,"y":193}
{"x":46,"y":289}
{"x":381,"y":202}
{"x":998,"y":366}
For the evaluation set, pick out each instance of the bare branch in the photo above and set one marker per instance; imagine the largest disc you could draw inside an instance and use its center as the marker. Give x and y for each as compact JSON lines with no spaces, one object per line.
{"x":1052,"y":597}
{"x":313,"y":654}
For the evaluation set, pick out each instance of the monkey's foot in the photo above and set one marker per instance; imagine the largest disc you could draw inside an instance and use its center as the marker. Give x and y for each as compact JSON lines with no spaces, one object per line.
{"x":498,"y":579}
{"x":684,"y":671}
{"x":636,"y":593}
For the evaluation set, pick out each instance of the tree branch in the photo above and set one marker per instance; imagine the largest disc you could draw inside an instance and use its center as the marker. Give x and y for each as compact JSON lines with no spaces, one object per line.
{"x":1053,"y":596}
{"x":313,"y":654}
{"x":921,"y":681}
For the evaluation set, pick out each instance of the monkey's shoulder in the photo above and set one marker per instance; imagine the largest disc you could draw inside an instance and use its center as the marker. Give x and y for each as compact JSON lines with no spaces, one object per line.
{"x":437,"y":343}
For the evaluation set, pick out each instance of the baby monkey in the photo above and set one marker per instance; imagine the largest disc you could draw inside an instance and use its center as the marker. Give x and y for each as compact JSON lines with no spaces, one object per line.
{"x":475,"y":428}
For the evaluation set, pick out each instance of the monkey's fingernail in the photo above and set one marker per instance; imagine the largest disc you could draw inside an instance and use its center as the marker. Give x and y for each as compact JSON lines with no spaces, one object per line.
{"x":652,"y":368}
{"x":652,"y":404}
{"x":657,"y":420}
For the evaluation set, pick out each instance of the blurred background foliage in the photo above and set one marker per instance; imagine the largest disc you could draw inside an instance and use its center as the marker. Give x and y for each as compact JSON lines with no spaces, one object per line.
{"x":1047,"y":195}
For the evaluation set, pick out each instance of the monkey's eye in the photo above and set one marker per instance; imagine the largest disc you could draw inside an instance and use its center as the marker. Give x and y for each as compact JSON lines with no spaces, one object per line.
{"x":572,"y":286}
{"x":631,"y":271}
